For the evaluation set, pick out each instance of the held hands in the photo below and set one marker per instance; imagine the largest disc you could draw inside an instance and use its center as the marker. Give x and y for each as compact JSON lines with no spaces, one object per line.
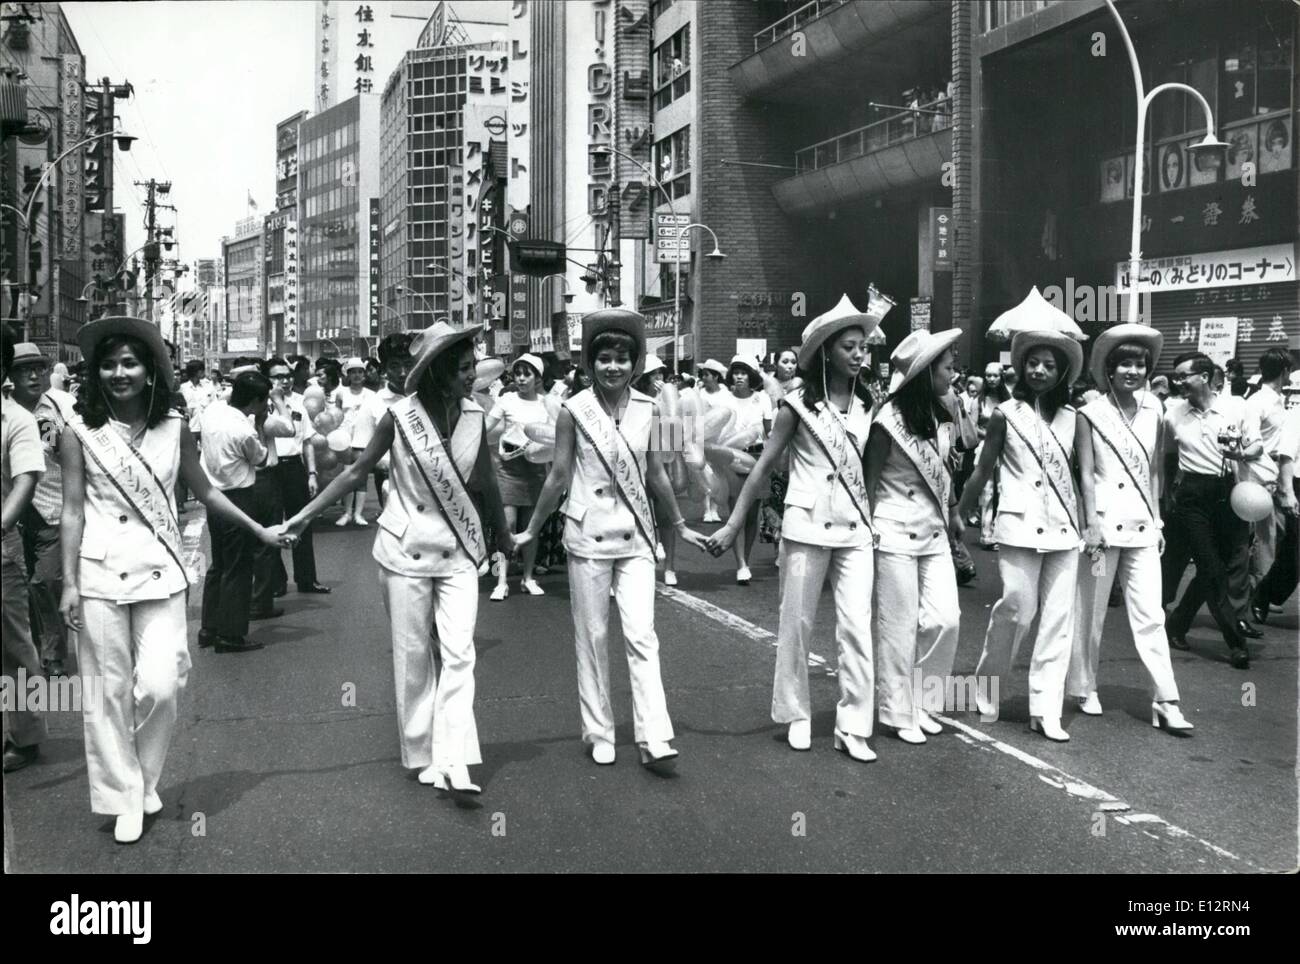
{"x":693,"y":538}
{"x":70,"y":608}
{"x":283,"y":536}
{"x":505,"y":545}
{"x":520,"y":540}
{"x":956,"y":524}
{"x":1094,"y":542}
{"x":721,"y":540}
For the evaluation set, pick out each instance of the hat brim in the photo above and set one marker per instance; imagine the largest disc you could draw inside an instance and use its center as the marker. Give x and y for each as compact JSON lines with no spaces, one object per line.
{"x":716,"y":367}
{"x":614,"y":319}
{"x":1110,"y":339}
{"x":938,"y":344}
{"x":425,"y":353}
{"x":1025,"y":341}
{"x":819,"y":336}
{"x":93,"y":332}
{"x":749,"y":367}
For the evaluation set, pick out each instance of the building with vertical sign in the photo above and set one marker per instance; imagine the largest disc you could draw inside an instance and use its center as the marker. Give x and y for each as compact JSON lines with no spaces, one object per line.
{"x":337,"y":178}
{"x":242,"y":264}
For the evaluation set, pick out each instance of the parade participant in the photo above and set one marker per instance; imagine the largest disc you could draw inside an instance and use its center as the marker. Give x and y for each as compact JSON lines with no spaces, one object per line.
{"x":751,"y":426}
{"x":519,"y":478}
{"x":651,"y":384}
{"x":1204,"y":433}
{"x":711,"y":393}
{"x":826,"y":527}
{"x":1280,"y":580}
{"x":601,"y":441}
{"x":199,"y":393}
{"x":1030,"y":442}
{"x":395,"y":357}
{"x":916,"y":612}
{"x":22,"y":461}
{"x":430,"y":547}
{"x":1267,"y":407}
{"x":124,"y":584}
{"x":769,"y":521}
{"x":1118,"y":440}
{"x":357,"y":402}
{"x":295,"y":479}
{"x":996,"y":392}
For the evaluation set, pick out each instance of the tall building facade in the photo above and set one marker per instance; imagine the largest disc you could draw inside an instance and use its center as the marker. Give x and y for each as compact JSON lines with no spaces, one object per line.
{"x":337,"y":181}
{"x":242,"y":257}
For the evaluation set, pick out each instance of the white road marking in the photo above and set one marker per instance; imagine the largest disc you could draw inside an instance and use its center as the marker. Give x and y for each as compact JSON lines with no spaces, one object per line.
{"x":1151,"y":824}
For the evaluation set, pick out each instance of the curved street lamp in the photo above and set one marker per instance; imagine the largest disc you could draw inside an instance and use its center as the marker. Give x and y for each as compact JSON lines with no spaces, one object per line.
{"x":1207,"y":155}
{"x":423,"y":300}
{"x":714,"y":255}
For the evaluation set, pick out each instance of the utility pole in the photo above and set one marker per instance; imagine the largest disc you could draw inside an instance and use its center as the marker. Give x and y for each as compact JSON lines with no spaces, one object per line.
{"x":152,"y":252}
{"x":113,"y":253}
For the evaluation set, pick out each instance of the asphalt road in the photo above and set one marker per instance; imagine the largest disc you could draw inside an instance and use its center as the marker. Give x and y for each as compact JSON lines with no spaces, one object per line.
{"x":274,"y":768}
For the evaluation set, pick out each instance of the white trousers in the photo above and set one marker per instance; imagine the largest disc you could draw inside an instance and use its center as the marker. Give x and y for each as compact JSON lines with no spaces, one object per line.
{"x":139,"y":653}
{"x":1263,"y":551}
{"x":633,"y":580}
{"x":916,"y":619}
{"x":803,"y":571}
{"x":1139,"y":574}
{"x":1041,"y":583}
{"x":435,"y":708}
{"x":987,"y":515}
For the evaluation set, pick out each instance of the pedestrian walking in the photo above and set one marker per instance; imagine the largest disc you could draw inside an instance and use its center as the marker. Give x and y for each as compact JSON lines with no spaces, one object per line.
{"x":1280,"y":581}
{"x":357,"y":402}
{"x":1118,"y":440}
{"x":651,"y":384}
{"x":748,"y":431}
{"x":1267,"y":407}
{"x":124,"y":583}
{"x":711,"y":393}
{"x":1030,"y":444}
{"x":914,"y":514}
{"x":826,"y":528}
{"x":430,"y":546}
{"x":395,"y":357}
{"x":602,"y":437}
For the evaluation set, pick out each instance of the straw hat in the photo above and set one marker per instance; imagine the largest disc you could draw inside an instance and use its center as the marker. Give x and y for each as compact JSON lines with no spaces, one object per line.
{"x":1113,"y":337}
{"x":715,"y":366}
{"x":843,"y":315}
{"x":26,"y":352}
{"x":93,"y":332}
{"x":429,"y":344}
{"x":1024,"y":341}
{"x":917,"y":352}
{"x":613,"y":319}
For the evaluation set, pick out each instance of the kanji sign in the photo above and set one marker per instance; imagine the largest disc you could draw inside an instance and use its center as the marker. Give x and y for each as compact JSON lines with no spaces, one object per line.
{"x":1267,"y":264}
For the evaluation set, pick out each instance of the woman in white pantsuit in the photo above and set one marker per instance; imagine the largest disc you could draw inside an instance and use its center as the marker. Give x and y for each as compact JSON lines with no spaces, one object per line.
{"x":826,"y":527}
{"x":431,"y":549}
{"x":1030,"y":442}
{"x":916,"y":610}
{"x":1119,"y":442}
{"x":602,"y":437}
{"x":124,"y":584}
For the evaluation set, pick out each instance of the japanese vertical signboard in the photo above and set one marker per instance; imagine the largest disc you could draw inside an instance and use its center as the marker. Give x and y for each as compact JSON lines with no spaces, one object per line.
{"x":360,"y":58}
{"x":291,"y":275}
{"x":71,"y":176}
{"x":326,"y":56}
{"x":600,"y":112}
{"x":941,"y":239}
{"x":632,"y":117}
{"x":286,"y":161}
{"x":373,"y":274}
{"x":519,"y":333}
{"x":519,"y":143}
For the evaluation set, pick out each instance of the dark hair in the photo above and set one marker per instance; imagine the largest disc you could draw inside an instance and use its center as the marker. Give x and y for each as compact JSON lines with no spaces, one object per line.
{"x":1128,"y":351}
{"x":9,"y":341}
{"x":372,"y":362}
{"x":431,"y":388}
{"x":814,"y":383}
{"x":1233,"y":367}
{"x":1274,"y":363}
{"x":615,"y":341}
{"x":92,"y":406}
{"x":642,"y":384}
{"x":270,"y":363}
{"x":1203,"y":364}
{"x":921,"y":411}
{"x":1056,"y":397}
{"x":398,"y":345}
{"x":249,"y":387}
{"x":192,"y":366}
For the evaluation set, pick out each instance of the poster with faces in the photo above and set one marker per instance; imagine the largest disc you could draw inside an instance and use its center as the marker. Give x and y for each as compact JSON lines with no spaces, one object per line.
{"x":1131,"y":174}
{"x":1173,"y":167}
{"x":1275,"y":145}
{"x":1241,"y":149}
{"x":1196,"y":177}
{"x":1112,"y":179}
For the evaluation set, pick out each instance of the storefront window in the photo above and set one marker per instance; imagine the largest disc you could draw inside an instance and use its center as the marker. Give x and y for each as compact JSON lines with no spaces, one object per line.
{"x":672,"y":158}
{"x":672,"y":68}
{"x":1237,"y":78}
{"x":1274,"y":79}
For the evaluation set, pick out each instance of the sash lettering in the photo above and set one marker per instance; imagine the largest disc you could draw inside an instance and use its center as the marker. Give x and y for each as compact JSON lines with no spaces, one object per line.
{"x":134,"y":482}
{"x":1119,"y":438}
{"x":923,"y":454}
{"x":1052,"y":459}
{"x":605,"y":438}
{"x":833,"y":438}
{"x":440,"y":473}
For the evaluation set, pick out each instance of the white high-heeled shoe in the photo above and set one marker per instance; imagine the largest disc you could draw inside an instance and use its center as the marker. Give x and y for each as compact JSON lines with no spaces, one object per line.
{"x":656,"y":753}
{"x":499,"y":592}
{"x":431,"y":776}
{"x":530,"y":587}
{"x":152,"y":803}
{"x":988,"y":711}
{"x":743,"y":575}
{"x":129,"y":827}
{"x":799,"y":736}
{"x":1050,"y":728}
{"x":928,"y":723}
{"x":1167,"y":716}
{"x":854,"y":746}
{"x":458,"y":781}
{"x":360,"y":520}
{"x":1090,"y":704}
{"x":602,"y":752}
{"x":911,"y":734}
{"x":670,"y":577}
{"x":344,"y":520}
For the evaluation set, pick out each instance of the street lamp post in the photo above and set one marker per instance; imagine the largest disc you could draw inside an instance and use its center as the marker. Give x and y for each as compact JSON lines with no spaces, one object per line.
{"x":541,"y":287}
{"x":390,"y":308}
{"x":1211,"y":149}
{"x":423,"y":300}
{"x":715,"y":255}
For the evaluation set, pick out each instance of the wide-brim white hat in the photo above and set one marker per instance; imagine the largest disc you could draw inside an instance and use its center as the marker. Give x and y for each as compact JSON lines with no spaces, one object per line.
{"x":429,"y":344}
{"x":653,"y":363}
{"x":1035,"y":313}
{"x":715,"y":366}
{"x":1124,"y":334}
{"x":486,"y":371}
{"x":1023,"y":342}
{"x":917,"y":352}
{"x":843,"y":315}
{"x":354,"y":362}
{"x":751,"y":365}
{"x":93,"y":332}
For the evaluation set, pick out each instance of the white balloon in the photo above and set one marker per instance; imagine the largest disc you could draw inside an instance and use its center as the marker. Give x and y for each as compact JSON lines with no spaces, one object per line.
{"x":339,"y":441}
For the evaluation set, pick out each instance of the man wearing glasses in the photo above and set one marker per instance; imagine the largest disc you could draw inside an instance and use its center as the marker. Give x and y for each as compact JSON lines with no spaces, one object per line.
{"x":1206,"y":438}
{"x":293,"y":473}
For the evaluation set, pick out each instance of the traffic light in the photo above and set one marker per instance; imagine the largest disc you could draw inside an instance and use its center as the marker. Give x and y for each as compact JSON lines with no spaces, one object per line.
{"x":537,"y":259}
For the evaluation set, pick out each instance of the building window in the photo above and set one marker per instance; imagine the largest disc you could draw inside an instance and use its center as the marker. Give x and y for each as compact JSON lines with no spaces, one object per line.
{"x":657,"y":7}
{"x":672,"y":68}
{"x":672,"y":158}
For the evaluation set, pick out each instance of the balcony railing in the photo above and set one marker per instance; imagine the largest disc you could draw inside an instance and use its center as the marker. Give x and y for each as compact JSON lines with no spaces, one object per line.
{"x":999,"y":13}
{"x":793,"y":22}
{"x":894,"y":129}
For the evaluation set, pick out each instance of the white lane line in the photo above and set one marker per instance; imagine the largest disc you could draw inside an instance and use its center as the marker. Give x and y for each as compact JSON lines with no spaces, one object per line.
{"x":1151,"y":824}
{"x":736,"y":623}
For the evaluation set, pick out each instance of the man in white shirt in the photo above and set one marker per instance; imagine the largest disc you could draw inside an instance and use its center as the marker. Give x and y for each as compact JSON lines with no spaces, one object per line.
{"x":198,"y":393}
{"x":1267,"y":408}
{"x":395,"y":357}
{"x":1280,"y":580}
{"x":234,"y":449}
{"x":1205,"y":436}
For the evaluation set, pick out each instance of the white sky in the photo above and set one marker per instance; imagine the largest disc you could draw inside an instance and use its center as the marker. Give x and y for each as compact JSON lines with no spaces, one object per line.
{"x":212,"y":79}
